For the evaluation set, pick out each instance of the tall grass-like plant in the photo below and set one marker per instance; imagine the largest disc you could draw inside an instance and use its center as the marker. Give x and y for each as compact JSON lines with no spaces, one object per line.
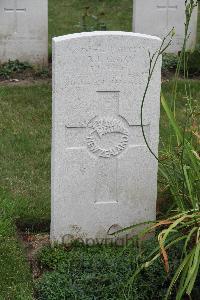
{"x":179,"y":167}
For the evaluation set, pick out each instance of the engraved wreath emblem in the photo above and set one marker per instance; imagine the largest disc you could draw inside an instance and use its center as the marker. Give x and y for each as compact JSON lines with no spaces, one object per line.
{"x":107,"y":137}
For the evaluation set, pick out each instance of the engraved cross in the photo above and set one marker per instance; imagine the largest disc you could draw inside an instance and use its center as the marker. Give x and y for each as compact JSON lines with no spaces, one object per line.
{"x":167,"y":8}
{"x":106,"y":138}
{"x":15,"y":12}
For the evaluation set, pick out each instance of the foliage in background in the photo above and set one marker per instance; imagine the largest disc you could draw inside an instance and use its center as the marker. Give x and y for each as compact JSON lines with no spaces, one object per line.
{"x":193,"y":62}
{"x":90,"y":22}
{"x":171,"y":61}
{"x":13,"y":67}
{"x":22,"y":70}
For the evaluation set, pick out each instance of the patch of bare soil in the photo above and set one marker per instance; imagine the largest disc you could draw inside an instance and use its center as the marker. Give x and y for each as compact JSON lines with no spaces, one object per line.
{"x":32,"y":75}
{"x":24,"y":82}
{"x":168,"y":75}
{"x":33,"y":243}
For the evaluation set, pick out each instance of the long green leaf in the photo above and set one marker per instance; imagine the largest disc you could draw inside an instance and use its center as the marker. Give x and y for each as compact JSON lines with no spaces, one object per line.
{"x":179,"y":135}
{"x":192,"y":282}
{"x":188,"y":238}
{"x":177,"y":274}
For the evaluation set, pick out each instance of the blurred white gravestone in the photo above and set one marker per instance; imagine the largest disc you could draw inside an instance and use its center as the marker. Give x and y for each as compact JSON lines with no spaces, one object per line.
{"x":158,"y":17}
{"x":103,"y":175}
{"x":24,"y":31}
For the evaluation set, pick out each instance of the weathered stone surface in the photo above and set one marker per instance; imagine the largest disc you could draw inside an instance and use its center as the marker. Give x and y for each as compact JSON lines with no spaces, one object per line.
{"x":158,"y":17}
{"x":24,"y":31}
{"x":103,"y":175}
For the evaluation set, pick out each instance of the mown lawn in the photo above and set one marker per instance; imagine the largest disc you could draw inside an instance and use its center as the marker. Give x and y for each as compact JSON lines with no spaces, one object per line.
{"x":25,"y":124}
{"x":65,"y":15}
{"x":15,"y":276}
{"x":24,"y":194}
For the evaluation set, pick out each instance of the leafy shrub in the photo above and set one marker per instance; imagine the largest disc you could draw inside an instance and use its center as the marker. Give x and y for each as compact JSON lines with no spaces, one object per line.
{"x":11,"y":67}
{"x":169,"y":62}
{"x":193,"y":62}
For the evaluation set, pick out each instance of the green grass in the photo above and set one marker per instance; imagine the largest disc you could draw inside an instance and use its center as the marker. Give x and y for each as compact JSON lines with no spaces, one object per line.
{"x":181,"y":100}
{"x":101,"y":272}
{"x":65,"y":15}
{"x":25,"y":115}
{"x":25,"y":126}
{"x":25,"y":123}
{"x":15,"y":277}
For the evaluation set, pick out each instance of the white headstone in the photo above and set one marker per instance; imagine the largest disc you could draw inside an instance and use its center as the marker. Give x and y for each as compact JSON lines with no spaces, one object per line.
{"x":103,"y":175}
{"x":24,"y":31}
{"x":158,"y":17}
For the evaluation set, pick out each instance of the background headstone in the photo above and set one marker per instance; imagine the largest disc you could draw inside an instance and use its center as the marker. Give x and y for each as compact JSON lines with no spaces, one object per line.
{"x":103,"y":175}
{"x":24,"y":31}
{"x":158,"y":17}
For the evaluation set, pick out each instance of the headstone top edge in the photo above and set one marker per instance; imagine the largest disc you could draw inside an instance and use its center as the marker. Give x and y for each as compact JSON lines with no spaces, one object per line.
{"x":103,"y":33}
